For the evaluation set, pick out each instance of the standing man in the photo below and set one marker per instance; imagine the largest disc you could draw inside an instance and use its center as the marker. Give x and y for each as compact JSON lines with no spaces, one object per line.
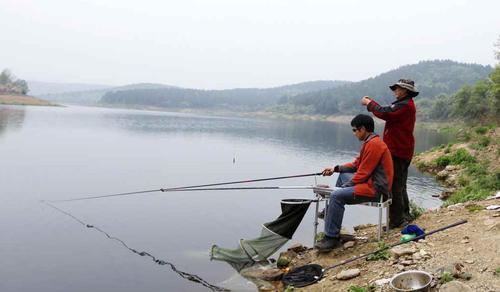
{"x":365,"y":179}
{"x":398,"y":135}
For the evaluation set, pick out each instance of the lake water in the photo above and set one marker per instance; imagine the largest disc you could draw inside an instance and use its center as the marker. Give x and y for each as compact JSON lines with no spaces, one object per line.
{"x":52,"y":153}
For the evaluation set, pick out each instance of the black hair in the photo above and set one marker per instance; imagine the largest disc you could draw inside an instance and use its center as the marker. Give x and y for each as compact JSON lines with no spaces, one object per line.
{"x":363,"y":121}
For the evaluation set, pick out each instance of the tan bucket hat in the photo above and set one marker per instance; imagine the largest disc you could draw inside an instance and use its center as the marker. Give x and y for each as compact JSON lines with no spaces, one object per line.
{"x":406,"y":84}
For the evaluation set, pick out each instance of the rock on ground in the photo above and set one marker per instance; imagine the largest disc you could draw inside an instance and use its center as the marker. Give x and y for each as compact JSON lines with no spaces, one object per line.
{"x":348,"y":274}
{"x":455,"y":286}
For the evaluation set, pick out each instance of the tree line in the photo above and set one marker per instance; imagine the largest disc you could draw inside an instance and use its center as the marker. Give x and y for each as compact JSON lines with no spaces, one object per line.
{"x":9,"y":83}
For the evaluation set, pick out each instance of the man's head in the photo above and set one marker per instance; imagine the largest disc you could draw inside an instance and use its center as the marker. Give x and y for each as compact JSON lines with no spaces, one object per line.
{"x":362,"y":126}
{"x":404,"y":88}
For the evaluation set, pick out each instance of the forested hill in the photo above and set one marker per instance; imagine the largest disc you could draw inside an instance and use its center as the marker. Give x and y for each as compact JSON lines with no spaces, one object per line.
{"x":317,"y":97}
{"x":239,"y":98}
{"x":432,"y":79}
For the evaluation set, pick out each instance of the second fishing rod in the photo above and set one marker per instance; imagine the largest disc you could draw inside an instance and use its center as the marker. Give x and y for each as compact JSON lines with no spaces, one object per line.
{"x":192,"y":187}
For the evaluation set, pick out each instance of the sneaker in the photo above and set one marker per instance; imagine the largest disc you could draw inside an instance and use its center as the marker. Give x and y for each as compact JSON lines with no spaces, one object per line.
{"x":327,"y":244}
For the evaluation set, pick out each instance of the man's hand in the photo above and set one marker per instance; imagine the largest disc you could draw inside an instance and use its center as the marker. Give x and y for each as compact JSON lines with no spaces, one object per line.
{"x":330,"y":170}
{"x":365,"y":100}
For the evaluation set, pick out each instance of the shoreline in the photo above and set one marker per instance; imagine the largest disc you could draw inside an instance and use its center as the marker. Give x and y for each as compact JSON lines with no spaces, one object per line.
{"x":15,"y":99}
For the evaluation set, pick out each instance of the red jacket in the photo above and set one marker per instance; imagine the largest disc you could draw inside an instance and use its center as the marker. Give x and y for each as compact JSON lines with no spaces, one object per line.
{"x":400,"y":119}
{"x":373,"y":169}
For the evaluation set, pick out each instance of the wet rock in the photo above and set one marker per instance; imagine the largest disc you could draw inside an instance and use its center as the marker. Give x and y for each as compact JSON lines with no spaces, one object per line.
{"x":455,"y":286}
{"x":348,"y":274}
{"x":399,"y":251}
{"x":349,"y":244}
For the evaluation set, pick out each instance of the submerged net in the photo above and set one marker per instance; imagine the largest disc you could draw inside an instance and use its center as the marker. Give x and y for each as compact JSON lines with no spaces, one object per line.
{"x":274,"y":235}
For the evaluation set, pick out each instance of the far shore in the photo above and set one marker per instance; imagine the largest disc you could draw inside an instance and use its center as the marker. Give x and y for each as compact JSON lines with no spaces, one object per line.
{"x":15,"y":99}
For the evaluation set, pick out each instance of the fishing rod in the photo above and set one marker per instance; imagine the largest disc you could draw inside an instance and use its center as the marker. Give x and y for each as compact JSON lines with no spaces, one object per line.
{"x":188,"y":187}
{"x":309,"y":274}
{"x":246,"y":188}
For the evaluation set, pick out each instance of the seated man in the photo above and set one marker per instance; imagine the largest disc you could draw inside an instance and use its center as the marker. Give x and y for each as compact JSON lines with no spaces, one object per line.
{"x":364,"y":180}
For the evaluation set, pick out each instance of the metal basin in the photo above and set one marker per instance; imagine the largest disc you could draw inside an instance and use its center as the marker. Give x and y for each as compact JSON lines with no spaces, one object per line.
{"x":411,"y":281}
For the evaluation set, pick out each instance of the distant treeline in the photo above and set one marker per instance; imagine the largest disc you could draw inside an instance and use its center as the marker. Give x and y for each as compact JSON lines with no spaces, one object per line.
{"x":240,"y":98}
{"x":11,"y":84}
{"x":433,"y":78}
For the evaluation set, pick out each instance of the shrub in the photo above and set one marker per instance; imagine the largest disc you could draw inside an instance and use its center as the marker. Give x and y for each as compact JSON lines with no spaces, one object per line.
{"x":381,"y":254}
{"x":443,"y":161}
{"x":445,"y":277}
{"x":461,"y":156}
{"x":481,"y":130}
{"x":415,"y":210}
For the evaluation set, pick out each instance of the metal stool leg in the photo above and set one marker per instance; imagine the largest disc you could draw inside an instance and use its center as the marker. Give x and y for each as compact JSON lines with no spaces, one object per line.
{"x":379,"y":234}
{"x":316,"y":220}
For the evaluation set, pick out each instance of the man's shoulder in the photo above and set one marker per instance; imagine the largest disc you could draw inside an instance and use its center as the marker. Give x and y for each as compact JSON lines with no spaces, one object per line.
{"x":376,"y":141}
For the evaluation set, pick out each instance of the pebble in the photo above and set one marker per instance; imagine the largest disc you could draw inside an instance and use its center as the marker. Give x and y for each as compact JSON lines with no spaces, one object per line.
{"x":348,"y":274}
{"x":417,"y":256}
{"x":464,"y":241}
{"x":400,"y":267}
{"x":469,"y":261}
{"x":470,"y":249}
{"x":382,"y":282}
{"x":399,"y":251}
{"x":349,"y":244}
{"x":406,"y":262}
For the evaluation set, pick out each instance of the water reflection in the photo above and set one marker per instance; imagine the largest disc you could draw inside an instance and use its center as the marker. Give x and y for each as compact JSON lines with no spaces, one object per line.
{"x":11,"y":118}
{"x":312,"y":135}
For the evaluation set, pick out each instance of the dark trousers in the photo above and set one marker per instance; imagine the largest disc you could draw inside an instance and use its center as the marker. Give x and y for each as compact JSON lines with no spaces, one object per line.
{"x":399,"y":210}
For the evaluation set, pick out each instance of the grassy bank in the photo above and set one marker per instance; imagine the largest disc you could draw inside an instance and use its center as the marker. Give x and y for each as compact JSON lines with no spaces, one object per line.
{"x":469,"y":168}
{"x":15,"y":99}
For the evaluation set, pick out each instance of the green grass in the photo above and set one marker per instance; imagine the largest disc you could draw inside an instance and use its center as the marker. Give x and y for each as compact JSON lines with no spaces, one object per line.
{"x":474,"y":208}
{"x":481,"y":130}
{"x":497,"y":271}
{"x":459,"y":157}
{"x":381,"y":254}
{"x":446,"y":277}
{"x":289,"y":288}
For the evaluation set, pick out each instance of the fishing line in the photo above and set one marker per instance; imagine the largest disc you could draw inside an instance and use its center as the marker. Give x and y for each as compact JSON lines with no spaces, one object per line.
{"x":186,"y":187}
{"x":185,"y":275}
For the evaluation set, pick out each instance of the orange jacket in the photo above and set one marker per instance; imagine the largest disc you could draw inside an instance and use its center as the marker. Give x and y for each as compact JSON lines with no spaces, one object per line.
{"x":373,"y":171}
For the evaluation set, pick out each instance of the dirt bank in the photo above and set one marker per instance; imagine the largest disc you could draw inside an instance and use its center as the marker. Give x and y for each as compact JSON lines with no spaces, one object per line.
{"x":12,"y":99}
{"x":470,"y":250}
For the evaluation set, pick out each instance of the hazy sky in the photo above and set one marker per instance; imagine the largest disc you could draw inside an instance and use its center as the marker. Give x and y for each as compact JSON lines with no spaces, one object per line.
{"x":233,"y":43}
